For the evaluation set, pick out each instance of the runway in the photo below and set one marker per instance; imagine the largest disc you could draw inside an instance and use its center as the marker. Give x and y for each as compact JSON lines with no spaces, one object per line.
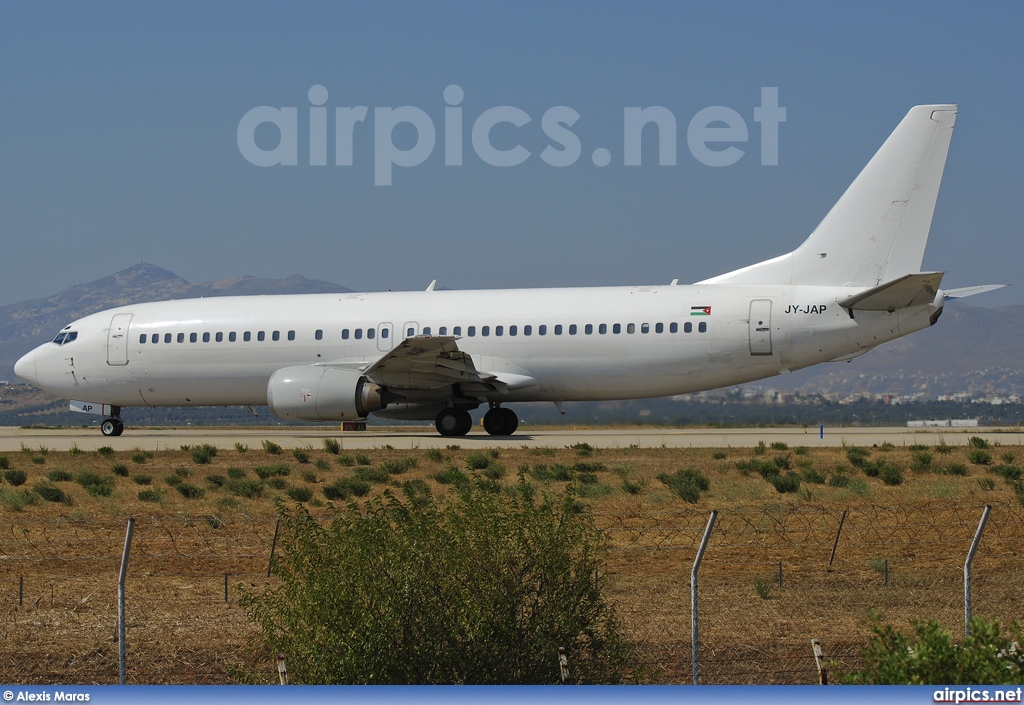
{"x":15,"y":439}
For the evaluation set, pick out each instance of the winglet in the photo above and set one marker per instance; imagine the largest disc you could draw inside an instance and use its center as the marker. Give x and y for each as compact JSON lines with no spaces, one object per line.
{"x":431,"y":285}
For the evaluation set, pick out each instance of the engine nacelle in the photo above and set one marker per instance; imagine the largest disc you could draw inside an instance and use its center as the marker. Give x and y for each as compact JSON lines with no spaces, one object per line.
{"x":315,"y":393}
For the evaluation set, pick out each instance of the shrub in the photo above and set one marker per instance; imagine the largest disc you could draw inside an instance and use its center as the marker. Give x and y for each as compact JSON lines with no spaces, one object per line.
{"x":632,"y":486}
{"x":556,"y":472}
{"x":141,"y":479}
{"x":250,"y":489}
{"x":301,"y":455}
{"x":477,"y":461}
{"x":345,"y":488}
{"x":801,"y":450}
{"x":986,"y":483}
{"x":140,"y":457}
{"x":956,"y":469}
{"x":265,"y":471}
{"x":4,"y":462}
{"x":38,"y":459}
{"x":477,"y":603}
{"x":105,"y":451}
{"x":782,"y":462}
{"x":943,"y":449}
{"x":60,"y":476}
{"x":346,"y":461}
{"x":371,"y":474}
{"x":216,"y":480}
{"x":857,"y":456}
{"x":763,"y":587}
{"x":174,"y":480}
{"x":16,"y":500}
{"x":241,"y":448}
{"x":149,"y":496}
{"x":583,"y":449}
{"x":320,"y":464}
{"x":977,"y":442}
{"x":278,"y":483}
{"x":812,"y":476}
{"x":183,"y":472}
{"x":52,"y":494}
{"x":435,"y":454}
{"x":397,"y":467}
{"x":332,"y":446}
{"x":494,"y":471}
{"x":1007,"y":472}
{"x":979,"y":457}
{"x":789,"y":482}
{"x":15,"y":478}
{"x":761,"y":448}
{"x":686,"y":484}
{"x":190,"y":491}
{"x":119,"y":469}
{"x":779,"y":445}
{"x":309,"y":475}
{"x":299,"y":494}
{"x":451,"y":475}
{"x":417,"y":492}
{"x":236,"y":473}
{"x":922,"y":461}
{"x":838,"y":480}
{"x":891,"y":474}
{"x":203,"y":454}
{"x":362,"y":459}
{"x":931,"y":656}
{"x":271,"y":448}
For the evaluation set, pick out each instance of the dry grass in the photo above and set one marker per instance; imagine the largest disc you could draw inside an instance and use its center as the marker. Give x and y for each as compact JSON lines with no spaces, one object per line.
{"x":181,"y":630}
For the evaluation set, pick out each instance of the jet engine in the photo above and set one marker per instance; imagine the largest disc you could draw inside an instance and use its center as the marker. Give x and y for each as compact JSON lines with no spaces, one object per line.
{"x":316,"y":393}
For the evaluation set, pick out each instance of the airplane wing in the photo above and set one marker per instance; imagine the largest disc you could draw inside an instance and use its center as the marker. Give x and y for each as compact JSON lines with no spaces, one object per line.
{"x":425,"y":363}
{"x":971,"y":290}
{"x":908,"y":290}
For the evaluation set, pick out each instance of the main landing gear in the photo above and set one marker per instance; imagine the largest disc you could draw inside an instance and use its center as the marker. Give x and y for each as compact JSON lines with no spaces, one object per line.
{"x":457,"y":422}
{"x":500,"y":422}
{"x":112,"y":426}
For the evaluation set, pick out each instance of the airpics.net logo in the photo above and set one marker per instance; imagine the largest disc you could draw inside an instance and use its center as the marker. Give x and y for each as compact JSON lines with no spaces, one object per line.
{"x":712,"y":134}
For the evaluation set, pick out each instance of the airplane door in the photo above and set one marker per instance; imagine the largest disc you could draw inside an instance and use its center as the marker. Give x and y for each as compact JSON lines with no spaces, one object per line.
{"x":385,"y":337}
{"x":761,"y":327}
{"x":117,"y":339}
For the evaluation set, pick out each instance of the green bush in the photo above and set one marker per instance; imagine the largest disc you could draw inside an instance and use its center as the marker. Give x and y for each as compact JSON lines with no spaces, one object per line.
{"x":978,"y":442}
{"x":265,"y":471}
{"x":986,"y":483}
{"x":812,"y":476}
{"x":4,"y":462}
{"x":346,"y":488}
{"x":236,"y":473}
{"x":477,"y":461}
{"x":1007,"y":472}
{"x":435,"y":454}
{"x":583,"y":449}
{"x":632,"y":486}
{"x":140,"y":458}
{"x":15,"y":478}
{"x":190,"y":491}
{"x":417,"y":492}
{"x":397,"y":467}
{"x":451,"y":475}
{"x":956,"y":469}
{"x":217,"y":480}
{"x":16,"y":500}
{"x":271,"y":448}
{"x":141,"y":479}
{"x":494,"y":471}
{"x":346,"y":461}
{"x":686,"y":484}
{"x":320,"y":464}
{"x":932,"y":657}
{"x":105,"y":451}
{"x":838,"y":480}
{"x":149,"y":496}
{"x":922,"y":461}
{"x":301,"y":455}
{"x":300,"y":494}
{"x":250,"y":489}
{"x":371,"y":474}
{"x":119,"y":469}
{"x":718,"y":455}
{"x":309,"y":475}
{"x":760,"y":448}
{"x":332,"y":446}
{"x":779,"y":445}
{"x":38,"y":459}
{"x":174,"y":480}
{"x":277,"y":483}
{"x":60,"y":476}
{"x":52,"y":494}
{"x":476,"y":588}
{"x":786,"y":483}
{"x":979,"y":457}
{"x":557,"y":472}
{"x":891,"y":474}
{"x":203,"y":454}
{"x":241,"y":448}
{"x":857,"y":456}
{"x":362,"y":459}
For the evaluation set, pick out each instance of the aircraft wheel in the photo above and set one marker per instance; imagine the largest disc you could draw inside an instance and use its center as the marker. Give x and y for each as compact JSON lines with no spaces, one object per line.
{"x":112,"y":427}
{"x":501,"y":422}
{"x":453,"y":422}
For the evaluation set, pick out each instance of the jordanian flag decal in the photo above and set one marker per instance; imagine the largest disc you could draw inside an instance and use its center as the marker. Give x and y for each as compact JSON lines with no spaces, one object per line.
{"x":700,"y":310}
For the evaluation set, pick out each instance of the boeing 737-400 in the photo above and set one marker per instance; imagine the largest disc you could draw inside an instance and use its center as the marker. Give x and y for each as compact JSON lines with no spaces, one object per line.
{"x":853,"y":284}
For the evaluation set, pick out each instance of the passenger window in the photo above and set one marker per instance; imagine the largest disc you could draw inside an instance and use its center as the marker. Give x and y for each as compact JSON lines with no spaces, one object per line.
{"x":498,"y":330}
{"x":702,"y":327}
{"x":383,"y":332}
{"x":291,"y":335}
{"x":319,"y":335}
{"x":558,"y":329}
{"x":426,"y":330}
{"x":687,"y":327}
{"x":359,"y":333}
{"x":344,"y":333}
{"x":542,"y":330}
{"x":485,"y":331}
{"x":60,"y":338}
{"x":167,"y":338}
{"x":457,"y":330}
{"x":155,"y":338}
{"x":206,"y":337}
{"x":572,"y":329}
{"x":220,"y":337}
{"x":192,"y":337}
{"x":181,"y":337}
{"x":512,"y":330}
{"x":527,"y":330}
{"x":673,"y":327}
{"x":472,"y":331}
{"x":603,"y":328}
{"x":645,"y":328}
{"x":261,"y":336}
{"x":246,"y":336}
{"x":588,"y":329}
{"x":231,"y":337}
{"x":370,"y":332}
{"x":617,"y":328}
{"x":443,"y":330}
{"x":631,"y":328}
{"x":659,"y":327}
{"x":410,"y":332}
{"x":276,"y":335}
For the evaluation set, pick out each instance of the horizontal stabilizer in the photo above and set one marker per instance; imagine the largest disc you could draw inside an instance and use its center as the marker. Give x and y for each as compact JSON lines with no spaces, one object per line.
{"x":908,"y":290}
{"x":971,"y":290}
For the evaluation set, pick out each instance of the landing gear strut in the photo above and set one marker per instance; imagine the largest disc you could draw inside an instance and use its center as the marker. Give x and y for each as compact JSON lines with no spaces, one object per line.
{"x":453,"y":422}
{"x":112,"y":426}
{"x":501,"y":422}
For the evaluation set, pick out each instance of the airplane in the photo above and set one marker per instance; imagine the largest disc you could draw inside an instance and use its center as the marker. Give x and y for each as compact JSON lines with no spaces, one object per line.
{"x":852,"y":285}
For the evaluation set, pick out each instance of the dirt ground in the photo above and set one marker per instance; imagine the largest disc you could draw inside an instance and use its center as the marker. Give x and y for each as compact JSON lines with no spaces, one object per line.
{"x":899,"y":555}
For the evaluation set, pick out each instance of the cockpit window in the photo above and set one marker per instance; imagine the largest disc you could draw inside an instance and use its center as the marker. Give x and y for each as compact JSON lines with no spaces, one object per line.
{"x":65,"y":337}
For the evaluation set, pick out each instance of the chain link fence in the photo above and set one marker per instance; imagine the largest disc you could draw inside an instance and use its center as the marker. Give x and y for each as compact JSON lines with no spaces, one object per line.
{"x":768,"y":584}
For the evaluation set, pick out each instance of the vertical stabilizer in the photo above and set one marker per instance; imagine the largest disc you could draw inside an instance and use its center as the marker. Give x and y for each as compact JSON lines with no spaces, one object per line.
{"x":878,"y":230}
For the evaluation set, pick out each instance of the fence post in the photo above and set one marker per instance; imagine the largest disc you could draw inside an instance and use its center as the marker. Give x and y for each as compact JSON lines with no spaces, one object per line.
{"x":273,"y":547}
{"x":842,"y":521}
{"x":225,"y":587}
{"x":21,"y":590}
{"x":563,"y":665}
{"x":967,"y":568}
{"x":122,"y":666}
{"x":282,"y":672}
{"x":694,"y":630}
{"x":780,"y":575}
{"x":819,"y":661}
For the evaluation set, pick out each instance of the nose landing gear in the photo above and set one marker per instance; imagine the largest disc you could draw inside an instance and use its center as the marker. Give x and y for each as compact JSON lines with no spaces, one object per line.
{"x":112,"y":426}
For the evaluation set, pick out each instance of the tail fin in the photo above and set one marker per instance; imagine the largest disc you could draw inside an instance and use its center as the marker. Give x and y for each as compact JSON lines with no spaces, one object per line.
{"x":878,"y":230}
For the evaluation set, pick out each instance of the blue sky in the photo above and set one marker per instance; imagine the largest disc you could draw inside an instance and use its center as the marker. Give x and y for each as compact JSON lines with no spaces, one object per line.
{"x":118,"y":138}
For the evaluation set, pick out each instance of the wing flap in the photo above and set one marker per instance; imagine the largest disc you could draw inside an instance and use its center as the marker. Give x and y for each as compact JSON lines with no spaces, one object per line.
{"x":428,"y":363}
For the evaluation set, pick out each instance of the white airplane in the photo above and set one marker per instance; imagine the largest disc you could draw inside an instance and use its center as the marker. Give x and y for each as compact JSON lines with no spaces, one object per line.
{"x":853,"y":284}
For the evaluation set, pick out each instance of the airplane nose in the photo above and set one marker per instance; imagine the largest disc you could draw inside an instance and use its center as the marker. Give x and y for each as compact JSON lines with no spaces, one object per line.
{"x":26,"y":367}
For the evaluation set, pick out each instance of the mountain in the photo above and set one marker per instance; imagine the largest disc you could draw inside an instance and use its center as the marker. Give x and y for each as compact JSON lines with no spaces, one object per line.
{"x":28,"y":323}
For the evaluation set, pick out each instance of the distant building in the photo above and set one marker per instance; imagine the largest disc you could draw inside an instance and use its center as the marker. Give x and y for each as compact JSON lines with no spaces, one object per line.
{"x":943,"y":423}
